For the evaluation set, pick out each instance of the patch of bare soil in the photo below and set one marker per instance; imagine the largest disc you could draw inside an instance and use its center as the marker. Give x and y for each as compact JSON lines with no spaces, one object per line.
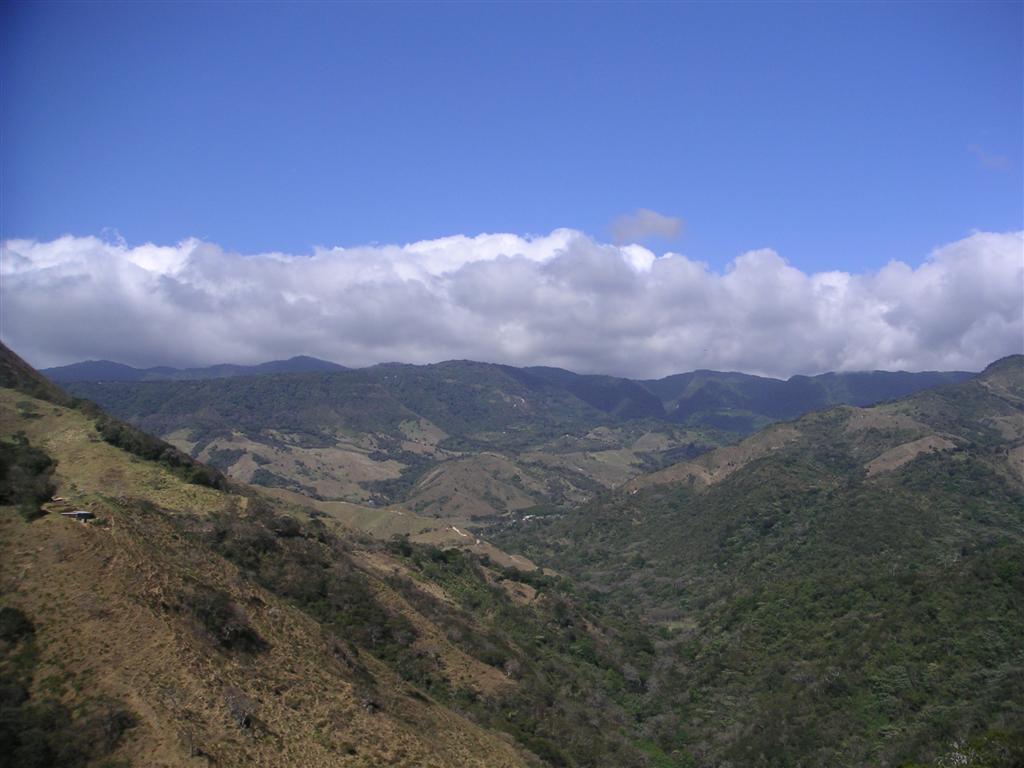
{"x":894,"y":458}
{"x":718,"y":464}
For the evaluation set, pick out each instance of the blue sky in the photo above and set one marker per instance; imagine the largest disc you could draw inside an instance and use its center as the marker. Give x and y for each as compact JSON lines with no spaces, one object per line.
{"x":840,"y":135}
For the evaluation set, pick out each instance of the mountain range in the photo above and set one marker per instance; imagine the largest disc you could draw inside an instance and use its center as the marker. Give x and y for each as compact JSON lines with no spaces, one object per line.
{"x":106,"y":370}
{"x":847,"y":587}
{"x":840,"y":589}
{"x":695,"y":397}
{"x":191,"y":621}
{"x":462,"y":440}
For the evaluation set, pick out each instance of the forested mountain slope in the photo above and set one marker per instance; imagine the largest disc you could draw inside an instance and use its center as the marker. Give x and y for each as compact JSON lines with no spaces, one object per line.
{"x":403,"y":433}
{"x":845,"y":589}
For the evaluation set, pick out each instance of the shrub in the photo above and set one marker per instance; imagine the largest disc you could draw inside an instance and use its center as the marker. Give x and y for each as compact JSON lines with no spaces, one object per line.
{"x":224,"y":621}
{"x":145,"y":446}
{"x":14,"y":625}
{"x":39,"y":732}
{"x":26,"y":476}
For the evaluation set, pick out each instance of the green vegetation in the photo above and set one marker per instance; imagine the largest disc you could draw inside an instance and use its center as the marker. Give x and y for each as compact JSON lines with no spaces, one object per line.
{"x":564,"y":704}
{"x":150,"y":448}
{"x":578,"y":433}
{"x":859,"y":620}
{"x":38,"y":730}
{"x":742,"y":403}
{"x":26,"y":476}
{"x":852,"y":595}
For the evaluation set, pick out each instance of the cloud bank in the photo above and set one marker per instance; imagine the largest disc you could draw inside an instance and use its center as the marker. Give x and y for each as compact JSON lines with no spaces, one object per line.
{"x":560,"y":299}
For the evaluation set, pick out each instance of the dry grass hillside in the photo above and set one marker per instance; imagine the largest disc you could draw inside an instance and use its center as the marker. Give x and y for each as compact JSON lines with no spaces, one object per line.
{"x":112,"y":604}
{"x":881,"y":438}
{"x":192,"y":621}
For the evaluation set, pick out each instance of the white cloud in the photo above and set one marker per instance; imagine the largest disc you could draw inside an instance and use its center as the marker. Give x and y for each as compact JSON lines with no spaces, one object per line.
{"x":644,"y":223}
{"x":560,"y":299}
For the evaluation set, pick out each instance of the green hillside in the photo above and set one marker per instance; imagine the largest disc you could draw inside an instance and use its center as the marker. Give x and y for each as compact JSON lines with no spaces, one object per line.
{"x":741,"y":403}
{"x":847,"y":589}
{"x":377,"y":436}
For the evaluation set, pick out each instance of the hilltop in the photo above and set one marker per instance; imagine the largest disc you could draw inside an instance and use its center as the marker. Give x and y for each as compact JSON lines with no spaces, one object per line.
{"x":107,"y":370}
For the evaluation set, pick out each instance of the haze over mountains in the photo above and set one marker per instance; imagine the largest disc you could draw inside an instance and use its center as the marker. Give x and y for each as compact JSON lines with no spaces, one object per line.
{"x":106,"y":370}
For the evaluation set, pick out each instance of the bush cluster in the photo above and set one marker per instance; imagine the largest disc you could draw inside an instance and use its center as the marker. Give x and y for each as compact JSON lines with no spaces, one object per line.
{"x":224,"y":621}
{"x":138,"y":443}
{"x":41,"y":732}
{"x":26,"y":475}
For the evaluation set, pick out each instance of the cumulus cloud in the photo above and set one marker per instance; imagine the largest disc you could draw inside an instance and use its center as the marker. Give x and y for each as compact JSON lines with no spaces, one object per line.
{"x":642,"y":224}
{"x":560,"y":299}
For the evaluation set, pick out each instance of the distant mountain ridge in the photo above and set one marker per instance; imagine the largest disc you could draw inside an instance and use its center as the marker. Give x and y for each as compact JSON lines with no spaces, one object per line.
{"x":107,"y":370}
{"x":736,"y":402}
{"x":376,"y":435}
{"x":741,"y":402}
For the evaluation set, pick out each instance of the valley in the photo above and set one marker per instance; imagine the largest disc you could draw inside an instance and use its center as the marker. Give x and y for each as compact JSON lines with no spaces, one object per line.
{"x":463,"y":443}
{"x":212,"y":624}
{"x":853,"y":577}
{"x":549,"y":584}
{"x":512,"y":384}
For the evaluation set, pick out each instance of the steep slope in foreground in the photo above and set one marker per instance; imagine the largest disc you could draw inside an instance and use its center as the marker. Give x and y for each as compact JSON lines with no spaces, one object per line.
{"x":843,"y":590}
{"x":187,"y":625}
